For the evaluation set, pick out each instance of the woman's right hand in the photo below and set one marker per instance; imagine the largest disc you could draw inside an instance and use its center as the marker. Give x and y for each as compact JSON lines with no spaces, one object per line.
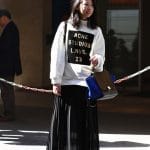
{"x":57,"y":89}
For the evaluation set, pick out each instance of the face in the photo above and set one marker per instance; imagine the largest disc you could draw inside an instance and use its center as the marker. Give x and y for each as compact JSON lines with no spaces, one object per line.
{"x":2,"y":21}
{"x":86,"y":9}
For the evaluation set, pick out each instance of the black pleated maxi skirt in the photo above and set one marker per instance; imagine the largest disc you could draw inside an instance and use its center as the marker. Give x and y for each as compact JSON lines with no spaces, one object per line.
{"x":74,"y":124}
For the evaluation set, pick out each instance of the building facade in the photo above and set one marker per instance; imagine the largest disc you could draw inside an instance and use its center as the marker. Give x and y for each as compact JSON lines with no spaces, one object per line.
{"x":123,"y":22}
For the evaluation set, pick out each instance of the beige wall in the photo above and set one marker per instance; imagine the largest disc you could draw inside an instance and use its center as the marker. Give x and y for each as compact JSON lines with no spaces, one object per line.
{"x":33,"y":18}
{"x":47,"y":29}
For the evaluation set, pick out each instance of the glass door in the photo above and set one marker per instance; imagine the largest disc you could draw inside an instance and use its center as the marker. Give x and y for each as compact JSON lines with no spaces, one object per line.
{"x":122,"y":44}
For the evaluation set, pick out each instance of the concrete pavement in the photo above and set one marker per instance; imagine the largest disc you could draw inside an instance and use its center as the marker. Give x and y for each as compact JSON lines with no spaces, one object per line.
{"x":123,"y":123}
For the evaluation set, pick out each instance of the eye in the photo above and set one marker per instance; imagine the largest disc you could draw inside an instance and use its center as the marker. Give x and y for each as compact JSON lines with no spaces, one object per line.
{"x":87,"y":5}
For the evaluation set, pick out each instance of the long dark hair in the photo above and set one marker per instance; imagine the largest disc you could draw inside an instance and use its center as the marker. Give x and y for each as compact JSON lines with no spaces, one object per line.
{"x":75,"y":15}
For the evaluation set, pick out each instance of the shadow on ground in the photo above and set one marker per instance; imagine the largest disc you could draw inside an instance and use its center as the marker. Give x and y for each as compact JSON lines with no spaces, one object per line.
{"x":30,"y":127}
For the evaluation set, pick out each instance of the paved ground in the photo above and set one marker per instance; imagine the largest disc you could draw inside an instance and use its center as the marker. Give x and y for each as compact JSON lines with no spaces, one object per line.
{"x":119,"y":129}
{"x":29,"y":131}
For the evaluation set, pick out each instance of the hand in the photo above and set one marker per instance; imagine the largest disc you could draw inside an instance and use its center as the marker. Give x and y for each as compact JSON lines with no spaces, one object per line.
{"x":57,"y":89}
{"x":94,"y":60}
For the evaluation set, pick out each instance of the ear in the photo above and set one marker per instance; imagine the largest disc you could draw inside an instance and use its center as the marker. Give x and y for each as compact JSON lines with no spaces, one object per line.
{"x":6,"y":19}
{"x":78,"y":7}
{"x":78,"y":4}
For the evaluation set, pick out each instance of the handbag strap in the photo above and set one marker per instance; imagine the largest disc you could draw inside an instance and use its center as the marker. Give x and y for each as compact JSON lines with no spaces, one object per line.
{"x":64,"y":40}
{"x":65,"y":30}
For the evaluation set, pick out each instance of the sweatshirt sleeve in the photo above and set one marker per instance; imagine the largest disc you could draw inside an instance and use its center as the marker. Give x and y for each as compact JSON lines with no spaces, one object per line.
{"x":57,"y":62}
{"x":98,"y":49}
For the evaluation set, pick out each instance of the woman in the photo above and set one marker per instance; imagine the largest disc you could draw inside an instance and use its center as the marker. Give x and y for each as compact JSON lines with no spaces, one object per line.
{"x":77,"y":45}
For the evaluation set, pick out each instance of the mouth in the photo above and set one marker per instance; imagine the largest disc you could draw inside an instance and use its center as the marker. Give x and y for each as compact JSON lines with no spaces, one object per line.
{"x":88,"y":13}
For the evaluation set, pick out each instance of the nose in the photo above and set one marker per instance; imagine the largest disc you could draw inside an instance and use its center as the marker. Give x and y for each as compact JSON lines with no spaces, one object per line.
{"x":89,"y":8}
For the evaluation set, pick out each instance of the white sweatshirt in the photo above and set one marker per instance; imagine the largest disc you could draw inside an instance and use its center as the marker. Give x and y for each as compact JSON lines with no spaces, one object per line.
{"x":70,"y":63}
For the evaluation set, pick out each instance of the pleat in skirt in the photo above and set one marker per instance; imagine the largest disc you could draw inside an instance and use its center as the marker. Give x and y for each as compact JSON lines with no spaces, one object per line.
{"x":74,"y":124}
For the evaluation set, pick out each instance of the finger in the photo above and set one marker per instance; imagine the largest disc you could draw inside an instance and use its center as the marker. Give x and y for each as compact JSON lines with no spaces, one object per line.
{"x":56,"y":92}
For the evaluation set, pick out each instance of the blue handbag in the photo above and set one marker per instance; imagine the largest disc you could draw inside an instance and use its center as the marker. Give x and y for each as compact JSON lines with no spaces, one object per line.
{"x":101,"y":86}
{"x":94,"y":91}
